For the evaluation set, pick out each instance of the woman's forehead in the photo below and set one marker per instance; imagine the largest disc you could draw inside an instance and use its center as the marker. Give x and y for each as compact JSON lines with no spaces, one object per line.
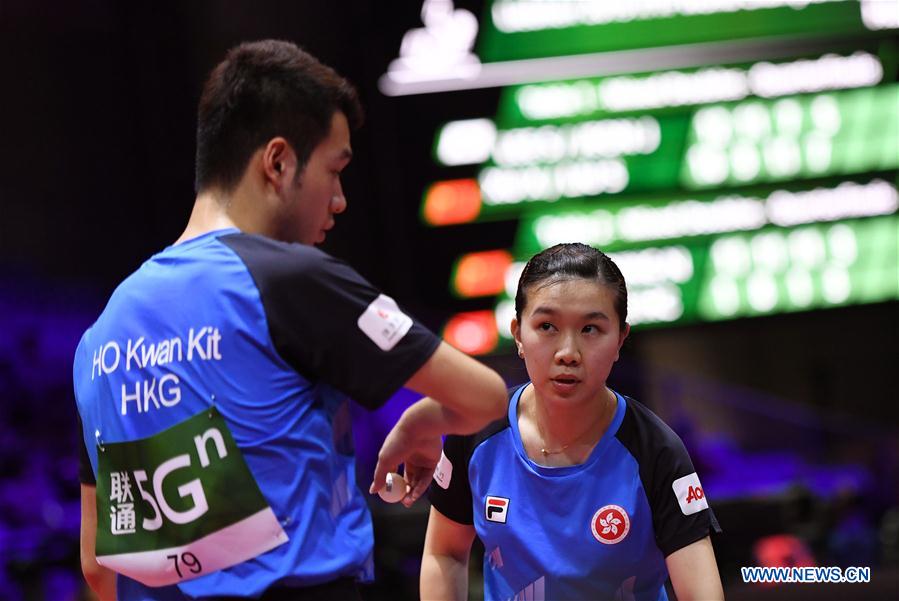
{"x":564,"y":291}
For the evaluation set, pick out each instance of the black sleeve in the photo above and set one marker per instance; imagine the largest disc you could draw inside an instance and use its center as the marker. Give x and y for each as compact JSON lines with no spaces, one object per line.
{"x":85,"y":471}
{"x":450,"y":492}
{"x":681,"y":514}
{"x":330,"y":324}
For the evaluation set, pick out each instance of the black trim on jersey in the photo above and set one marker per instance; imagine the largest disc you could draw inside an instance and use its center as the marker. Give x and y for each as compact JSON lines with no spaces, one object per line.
{"x":312,"y":302}
{"x":85,"y":471}
{"x":663,"y":459}
{"x":455,"y":502}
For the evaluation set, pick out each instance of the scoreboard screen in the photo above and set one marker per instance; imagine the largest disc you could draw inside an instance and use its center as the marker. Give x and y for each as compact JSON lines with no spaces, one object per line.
{"x":735,"y":157}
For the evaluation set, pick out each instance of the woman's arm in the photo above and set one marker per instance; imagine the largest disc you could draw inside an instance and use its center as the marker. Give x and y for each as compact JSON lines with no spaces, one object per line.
{"x":100,"y":579}
{"x":444,"y":565}
{"x":694,"y":573}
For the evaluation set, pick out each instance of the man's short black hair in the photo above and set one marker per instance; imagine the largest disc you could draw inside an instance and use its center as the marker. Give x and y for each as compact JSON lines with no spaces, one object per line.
{"x":262,"y":90}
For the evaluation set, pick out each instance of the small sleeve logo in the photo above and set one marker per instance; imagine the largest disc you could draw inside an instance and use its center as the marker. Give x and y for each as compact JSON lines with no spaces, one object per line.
{"x":690,"y":495}
{"x":384,"y":323}
{"x":496,"y":509}
{"x":443,"y":473}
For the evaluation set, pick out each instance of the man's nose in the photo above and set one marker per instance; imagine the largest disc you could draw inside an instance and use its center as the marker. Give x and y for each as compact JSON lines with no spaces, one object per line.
{"x":338,"y":203}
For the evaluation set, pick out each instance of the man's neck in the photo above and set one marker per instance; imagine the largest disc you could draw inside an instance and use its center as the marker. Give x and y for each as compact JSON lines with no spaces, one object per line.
{"x":210,"y":213}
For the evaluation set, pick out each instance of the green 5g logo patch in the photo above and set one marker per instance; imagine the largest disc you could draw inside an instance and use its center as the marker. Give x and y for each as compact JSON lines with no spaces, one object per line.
{"x":165,"y":504}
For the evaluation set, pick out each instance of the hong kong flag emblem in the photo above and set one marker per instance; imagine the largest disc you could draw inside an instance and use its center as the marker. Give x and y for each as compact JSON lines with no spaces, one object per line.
{"x":610,"y":524}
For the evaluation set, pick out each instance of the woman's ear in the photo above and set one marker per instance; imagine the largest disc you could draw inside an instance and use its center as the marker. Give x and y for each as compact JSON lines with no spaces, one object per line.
{"x":515,"y":328}
{"x":622,"y":337}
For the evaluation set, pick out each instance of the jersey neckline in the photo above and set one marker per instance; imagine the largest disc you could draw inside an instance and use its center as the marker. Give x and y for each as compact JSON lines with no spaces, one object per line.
{"x":595,"y":454}
{"x":201,"y":239}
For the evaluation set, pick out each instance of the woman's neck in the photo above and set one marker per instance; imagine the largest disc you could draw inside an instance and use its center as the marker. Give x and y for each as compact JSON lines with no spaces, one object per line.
{"x":558,"y":434}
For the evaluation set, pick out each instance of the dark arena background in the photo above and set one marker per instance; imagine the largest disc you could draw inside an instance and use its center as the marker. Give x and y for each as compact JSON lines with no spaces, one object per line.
{"x":737,"y":158}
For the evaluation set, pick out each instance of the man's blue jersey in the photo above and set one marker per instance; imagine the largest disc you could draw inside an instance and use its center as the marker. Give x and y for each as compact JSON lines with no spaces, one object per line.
{"x":276,"y":337}
{"x":598,"y":530}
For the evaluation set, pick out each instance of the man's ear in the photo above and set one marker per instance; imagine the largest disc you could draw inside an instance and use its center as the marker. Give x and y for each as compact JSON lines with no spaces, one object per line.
{"x":279,"y":162}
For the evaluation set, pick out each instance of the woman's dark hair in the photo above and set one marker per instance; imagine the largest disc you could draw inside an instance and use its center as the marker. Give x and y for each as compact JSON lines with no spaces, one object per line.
{"x":572,"y":260}
{"x":263,"y":90}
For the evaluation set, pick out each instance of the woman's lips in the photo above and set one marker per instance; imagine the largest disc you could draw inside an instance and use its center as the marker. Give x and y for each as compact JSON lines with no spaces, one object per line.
{"x":565,"y":384}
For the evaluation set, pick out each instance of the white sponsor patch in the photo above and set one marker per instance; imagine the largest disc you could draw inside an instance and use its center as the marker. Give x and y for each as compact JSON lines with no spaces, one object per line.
{"x":384,"y":323}
{"x":496,"y":509}
{"x":690,"y":495}
{"x":443,"y":473}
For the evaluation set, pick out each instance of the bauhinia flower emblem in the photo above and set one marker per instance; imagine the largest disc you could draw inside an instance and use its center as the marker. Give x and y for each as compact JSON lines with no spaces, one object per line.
{"x":610,"y":524}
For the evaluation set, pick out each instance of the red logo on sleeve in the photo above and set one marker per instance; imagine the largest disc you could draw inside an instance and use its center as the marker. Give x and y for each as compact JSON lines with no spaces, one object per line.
{"x":689,"y":494}
{"x":695,"y":494}
{"x":610,"y":524}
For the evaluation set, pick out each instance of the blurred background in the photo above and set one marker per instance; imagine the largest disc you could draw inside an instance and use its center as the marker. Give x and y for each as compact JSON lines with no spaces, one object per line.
{"x":738,"y":159}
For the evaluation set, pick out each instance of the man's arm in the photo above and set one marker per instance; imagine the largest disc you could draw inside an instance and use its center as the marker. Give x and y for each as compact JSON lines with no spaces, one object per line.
{"x":100,"y":579}
{"x":444,"y":565}
{"x":463,"y":396}
{"x":472,"y":394}
{"x":694,"y":573}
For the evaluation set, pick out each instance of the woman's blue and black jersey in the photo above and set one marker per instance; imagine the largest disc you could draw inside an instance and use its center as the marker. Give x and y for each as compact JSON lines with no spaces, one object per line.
{"x":598,"y":530}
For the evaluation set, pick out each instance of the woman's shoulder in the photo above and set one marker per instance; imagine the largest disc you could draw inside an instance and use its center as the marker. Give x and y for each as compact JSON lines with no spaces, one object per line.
{"x":643,"y":415}
{"x":645,"y":434}
{"x":467,"y":443}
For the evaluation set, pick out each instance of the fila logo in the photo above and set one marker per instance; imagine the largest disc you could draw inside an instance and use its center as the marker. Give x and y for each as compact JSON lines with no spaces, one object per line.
{"x":496,"y":509}
{"x":690,"y":495}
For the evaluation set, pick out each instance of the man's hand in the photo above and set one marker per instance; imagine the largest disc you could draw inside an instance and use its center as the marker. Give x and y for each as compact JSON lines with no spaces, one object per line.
{"x":463,"y":397}
{"x":414,"y":445}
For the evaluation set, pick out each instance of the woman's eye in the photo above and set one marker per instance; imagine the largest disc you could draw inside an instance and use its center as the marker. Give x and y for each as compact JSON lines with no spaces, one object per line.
{"x":591,"y":329}
{"x":546,"y":326}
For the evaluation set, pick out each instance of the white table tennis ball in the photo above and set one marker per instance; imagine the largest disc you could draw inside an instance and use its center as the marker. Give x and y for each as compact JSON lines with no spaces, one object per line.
{"x":395,"y":489}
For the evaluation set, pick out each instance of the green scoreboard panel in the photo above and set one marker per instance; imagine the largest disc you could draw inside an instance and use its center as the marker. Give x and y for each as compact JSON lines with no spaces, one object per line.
{"x":522,"y":29}
{"x":723,"y":189}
